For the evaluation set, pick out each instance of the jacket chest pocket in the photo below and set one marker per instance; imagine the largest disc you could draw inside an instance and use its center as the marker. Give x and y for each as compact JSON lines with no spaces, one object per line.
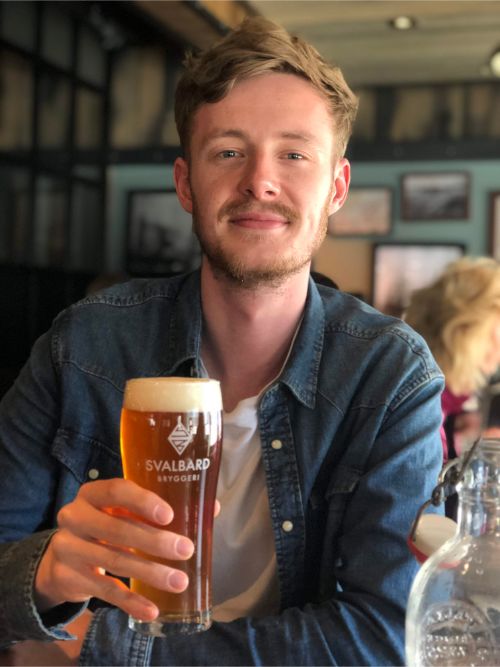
{"x":81,"y":459}
{"x":337,"y":496}
{"x":330,"y":507}
{"x":332,"y":500}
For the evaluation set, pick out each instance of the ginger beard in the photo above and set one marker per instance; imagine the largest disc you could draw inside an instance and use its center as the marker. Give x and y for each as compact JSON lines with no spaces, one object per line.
{"x":232,"y":266}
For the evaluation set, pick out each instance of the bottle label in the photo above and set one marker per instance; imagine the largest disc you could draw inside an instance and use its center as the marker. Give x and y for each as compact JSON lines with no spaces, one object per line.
{"x":457,"y":633}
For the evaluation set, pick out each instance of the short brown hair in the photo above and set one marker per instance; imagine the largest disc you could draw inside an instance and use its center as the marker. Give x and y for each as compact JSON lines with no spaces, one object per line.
{"x":259,"y":46}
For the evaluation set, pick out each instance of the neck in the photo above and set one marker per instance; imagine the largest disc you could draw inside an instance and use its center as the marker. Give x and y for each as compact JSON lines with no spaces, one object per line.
{"x":247,"y":333}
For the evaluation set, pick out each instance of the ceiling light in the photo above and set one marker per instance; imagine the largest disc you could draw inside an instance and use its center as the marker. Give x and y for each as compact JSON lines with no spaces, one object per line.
{"x":402,"y":22}
{"x":495,"y":62}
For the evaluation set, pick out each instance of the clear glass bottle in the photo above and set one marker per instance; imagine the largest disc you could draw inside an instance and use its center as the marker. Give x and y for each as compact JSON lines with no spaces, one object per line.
{"x":453,"y":614}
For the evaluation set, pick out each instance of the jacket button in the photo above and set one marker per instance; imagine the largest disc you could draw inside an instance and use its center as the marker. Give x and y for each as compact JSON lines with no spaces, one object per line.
{"x":276,"y":444}
{"x":93,"y":473}
{"x":287,"y":526}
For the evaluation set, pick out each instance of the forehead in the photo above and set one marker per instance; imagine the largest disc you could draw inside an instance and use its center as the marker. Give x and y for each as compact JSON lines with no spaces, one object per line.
{"x":265,"y":104}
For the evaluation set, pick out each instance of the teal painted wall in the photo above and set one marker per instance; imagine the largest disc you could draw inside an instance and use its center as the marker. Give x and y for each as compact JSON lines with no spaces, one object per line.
{"x":473,"y":233}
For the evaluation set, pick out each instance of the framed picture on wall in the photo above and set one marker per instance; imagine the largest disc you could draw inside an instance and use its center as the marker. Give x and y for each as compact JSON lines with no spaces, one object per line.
{"x":495,"y":225}
{"x":367,"y":210}
{"x":401,"y":268}
{"x":435,"y":196}
{"x":159,"y":238}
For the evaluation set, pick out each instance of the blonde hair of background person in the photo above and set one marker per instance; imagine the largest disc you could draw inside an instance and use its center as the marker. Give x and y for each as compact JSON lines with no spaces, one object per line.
{"x":459,"y":317}
{"x":257,"y":47}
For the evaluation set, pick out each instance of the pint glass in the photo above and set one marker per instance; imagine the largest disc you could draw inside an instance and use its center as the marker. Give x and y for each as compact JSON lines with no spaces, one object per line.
{"x":171,"y":440}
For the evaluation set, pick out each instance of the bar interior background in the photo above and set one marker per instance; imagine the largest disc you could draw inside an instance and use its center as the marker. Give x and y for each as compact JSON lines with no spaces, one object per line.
{"x":87,"y":132}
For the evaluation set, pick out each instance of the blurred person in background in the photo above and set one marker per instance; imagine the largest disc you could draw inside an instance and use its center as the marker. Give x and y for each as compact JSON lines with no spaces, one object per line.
{"x":459,"y":317}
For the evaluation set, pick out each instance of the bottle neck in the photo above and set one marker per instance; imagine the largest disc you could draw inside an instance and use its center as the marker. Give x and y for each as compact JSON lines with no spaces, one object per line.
{"x":479,"y":495}
{"x":478,"y":516}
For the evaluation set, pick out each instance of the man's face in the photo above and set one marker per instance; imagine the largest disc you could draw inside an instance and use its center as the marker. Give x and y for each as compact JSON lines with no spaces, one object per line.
{"x":262,"y":178}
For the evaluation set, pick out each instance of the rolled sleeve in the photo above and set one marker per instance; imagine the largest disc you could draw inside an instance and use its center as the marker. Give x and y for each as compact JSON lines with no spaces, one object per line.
{"x":19,"y":618}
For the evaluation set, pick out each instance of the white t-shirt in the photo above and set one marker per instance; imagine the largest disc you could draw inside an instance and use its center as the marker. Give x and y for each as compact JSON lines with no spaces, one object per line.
{"x":244,"y":571}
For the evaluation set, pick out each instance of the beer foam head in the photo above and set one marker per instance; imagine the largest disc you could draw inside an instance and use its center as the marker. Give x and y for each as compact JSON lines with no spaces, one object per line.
{"x":172,"y":394}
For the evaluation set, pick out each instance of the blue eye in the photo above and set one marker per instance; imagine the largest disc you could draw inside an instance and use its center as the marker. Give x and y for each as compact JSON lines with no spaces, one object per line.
{"x":228,"y":154}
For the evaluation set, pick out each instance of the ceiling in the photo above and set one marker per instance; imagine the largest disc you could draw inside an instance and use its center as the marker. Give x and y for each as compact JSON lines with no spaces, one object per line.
{"x":452,"y":40}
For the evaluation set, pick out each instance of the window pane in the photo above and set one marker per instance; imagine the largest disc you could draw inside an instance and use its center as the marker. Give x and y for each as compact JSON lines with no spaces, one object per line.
{"x":484,"y":110}
{"x":54,"y":118}
{"x":16,"y":86}
{"x":56,"y":37}
{"x":364,"y":127}
{"x":18,"y":23}
{"x":91,"y":58}
{"x":89,"y":112}
{"x":139,"y":98}
{"x":169,"y":136}
{"x":14,"y":215}
{"x":86,"y":244}
{"x":50,"y":235}
{"x":90,"y":172}
{"x":452,"y":111}
{"x":414,"y":114}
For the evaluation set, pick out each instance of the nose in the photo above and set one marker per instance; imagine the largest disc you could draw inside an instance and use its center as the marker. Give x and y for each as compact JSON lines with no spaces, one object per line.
{"x":259,"y":179}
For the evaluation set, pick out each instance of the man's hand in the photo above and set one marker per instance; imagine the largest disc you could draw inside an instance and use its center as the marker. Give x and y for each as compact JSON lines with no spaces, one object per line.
{"x":101,"y":532}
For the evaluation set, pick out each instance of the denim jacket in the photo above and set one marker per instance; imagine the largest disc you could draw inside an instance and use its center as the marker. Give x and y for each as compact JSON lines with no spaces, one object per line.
{"x":357,"y":411}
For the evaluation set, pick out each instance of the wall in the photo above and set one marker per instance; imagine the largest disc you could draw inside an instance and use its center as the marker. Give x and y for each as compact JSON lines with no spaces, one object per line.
{"x":345,"y":259}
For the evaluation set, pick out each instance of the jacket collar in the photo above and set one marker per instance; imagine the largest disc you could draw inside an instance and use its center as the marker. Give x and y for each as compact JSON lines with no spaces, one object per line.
{"x":300,"y":374}
{"x":184,"y":334}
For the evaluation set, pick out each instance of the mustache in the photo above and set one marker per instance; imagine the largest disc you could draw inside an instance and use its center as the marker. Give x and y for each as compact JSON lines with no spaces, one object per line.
{"x":235,"y":208}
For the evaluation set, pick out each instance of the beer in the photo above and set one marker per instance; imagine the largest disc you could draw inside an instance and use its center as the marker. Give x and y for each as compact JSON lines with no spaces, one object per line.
{"x":171,"y":440}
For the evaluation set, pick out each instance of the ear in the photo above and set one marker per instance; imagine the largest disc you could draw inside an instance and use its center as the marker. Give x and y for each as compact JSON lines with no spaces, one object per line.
{"x":341,"y":180}
{"x":182,"y":184}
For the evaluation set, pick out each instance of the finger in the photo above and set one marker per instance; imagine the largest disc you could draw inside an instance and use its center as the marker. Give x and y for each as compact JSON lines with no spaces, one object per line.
{"x":217,"y":508}
{"x":83,"y":520}
{"x":79,"y":555}
{"x":117,"y":594}
{"x":86,"y":583}
{"x":128,"y":495}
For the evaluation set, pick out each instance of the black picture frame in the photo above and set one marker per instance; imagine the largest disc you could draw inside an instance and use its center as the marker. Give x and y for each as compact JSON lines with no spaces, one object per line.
{"x":159,"y":236}
{"x":400,"y":268}
{"x":429,"y":196}
{"x":495,"y":225}
{"x":367,"y":211}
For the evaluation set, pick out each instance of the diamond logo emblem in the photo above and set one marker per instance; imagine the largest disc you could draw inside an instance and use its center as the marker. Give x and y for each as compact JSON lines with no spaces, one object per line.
{"x":180,"y":437}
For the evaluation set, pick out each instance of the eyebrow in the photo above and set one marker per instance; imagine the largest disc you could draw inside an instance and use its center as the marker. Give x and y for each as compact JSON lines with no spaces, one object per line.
{"x":223,"y":134}
{"x":239,"y":134}
{"x":300,"y":136}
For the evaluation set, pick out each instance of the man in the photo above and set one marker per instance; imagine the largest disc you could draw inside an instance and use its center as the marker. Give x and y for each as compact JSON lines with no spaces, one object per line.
{"x":331,"y":409}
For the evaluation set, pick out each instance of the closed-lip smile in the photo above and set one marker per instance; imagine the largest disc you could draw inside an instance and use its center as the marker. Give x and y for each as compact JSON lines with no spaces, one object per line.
{"x":258,"y":220}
